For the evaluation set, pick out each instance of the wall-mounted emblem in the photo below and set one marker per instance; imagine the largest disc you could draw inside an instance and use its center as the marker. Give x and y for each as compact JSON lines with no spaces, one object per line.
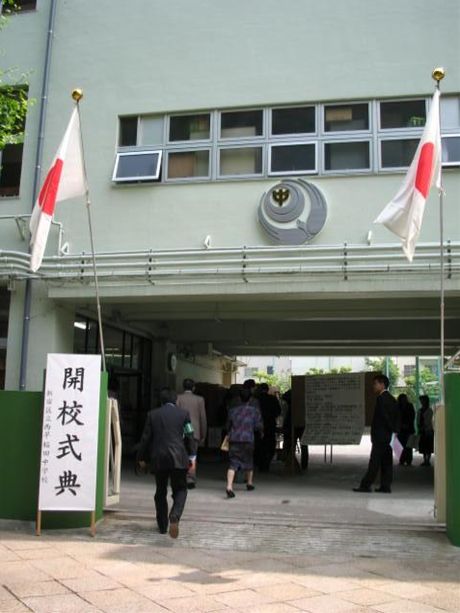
{"x":284,"y":215}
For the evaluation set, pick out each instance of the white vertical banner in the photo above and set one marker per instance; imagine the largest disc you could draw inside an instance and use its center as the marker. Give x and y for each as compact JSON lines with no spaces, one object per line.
{"x":68,"y":466}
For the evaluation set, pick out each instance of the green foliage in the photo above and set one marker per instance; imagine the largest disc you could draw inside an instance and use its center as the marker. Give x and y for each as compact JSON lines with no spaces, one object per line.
{"x":7,"y":8}
{"x":380,"y":365}
{"x":283,"y":381}
{"x":332,"y":371}
{"x":13,"y":95}
{"x":13,"y":110}
{"x":428,"y":384}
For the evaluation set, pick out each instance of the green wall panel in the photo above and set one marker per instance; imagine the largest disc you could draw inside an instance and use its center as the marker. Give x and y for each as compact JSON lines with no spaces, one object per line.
{"x":452,"y":382}
{"x":20,"y":424}
{"x":20,"y":435}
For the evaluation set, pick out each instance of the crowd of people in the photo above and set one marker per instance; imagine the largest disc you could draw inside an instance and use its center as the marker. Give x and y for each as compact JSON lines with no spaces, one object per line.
{"x":254,"y":414}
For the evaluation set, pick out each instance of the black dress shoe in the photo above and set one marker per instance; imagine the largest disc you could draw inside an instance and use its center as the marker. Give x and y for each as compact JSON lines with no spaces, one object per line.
{"x":230,"y":493}
{"x":191,"y":486}
{"x":363,"y":490}
{"x":383,"y":490}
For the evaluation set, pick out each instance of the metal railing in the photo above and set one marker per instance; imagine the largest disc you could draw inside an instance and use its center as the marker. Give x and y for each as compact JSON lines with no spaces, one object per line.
{"x":341,"y":261}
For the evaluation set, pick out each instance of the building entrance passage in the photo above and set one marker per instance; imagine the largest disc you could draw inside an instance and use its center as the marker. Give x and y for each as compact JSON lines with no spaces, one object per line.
{"x":293,"y":493}
{"x":320,"y":495}
{"x":202,"y":337}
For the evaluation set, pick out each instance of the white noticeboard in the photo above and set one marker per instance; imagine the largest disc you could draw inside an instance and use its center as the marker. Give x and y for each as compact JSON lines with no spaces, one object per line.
{"x":334,"y":409}
{"x":70,"y":433}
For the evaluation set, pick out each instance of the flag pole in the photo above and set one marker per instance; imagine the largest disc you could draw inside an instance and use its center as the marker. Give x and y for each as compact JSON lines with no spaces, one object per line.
{"x":438,"y":74}
{"x":77,"y":95}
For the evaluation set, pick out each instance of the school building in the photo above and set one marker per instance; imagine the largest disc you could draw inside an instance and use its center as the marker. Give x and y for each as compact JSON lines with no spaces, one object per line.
{"x":237,"y":156}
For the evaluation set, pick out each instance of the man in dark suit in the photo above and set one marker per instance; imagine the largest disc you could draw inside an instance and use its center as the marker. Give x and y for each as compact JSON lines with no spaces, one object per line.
{"x":168,"y":445}
{"x":384,"y":423}
{"x":270,"y":410}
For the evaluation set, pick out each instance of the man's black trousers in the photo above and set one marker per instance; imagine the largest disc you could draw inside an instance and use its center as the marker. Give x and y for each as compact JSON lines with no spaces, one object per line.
{"x":178,"y":479}
{"x":381,"y":460}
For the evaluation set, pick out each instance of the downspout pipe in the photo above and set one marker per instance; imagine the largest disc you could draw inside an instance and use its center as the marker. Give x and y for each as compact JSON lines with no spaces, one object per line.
{"x":36,"y":185}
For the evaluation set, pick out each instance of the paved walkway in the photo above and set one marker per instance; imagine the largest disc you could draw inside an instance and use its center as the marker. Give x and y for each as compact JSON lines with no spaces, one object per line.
{"x":297,"y":544}
{"x":214,"y":566}
{"x":323,"y":494}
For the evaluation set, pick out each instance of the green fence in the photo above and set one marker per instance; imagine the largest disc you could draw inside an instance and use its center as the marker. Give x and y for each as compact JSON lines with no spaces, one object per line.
{"x":20,"y":436}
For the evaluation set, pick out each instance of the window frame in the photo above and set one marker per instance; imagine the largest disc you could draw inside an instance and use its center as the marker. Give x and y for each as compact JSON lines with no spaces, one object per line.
{"x":229,"y":139}
{"x":272,"y":173}
{"x":388,"y":169}
{"x":187,"y":143}
{"x":292,"y":135}
{"x":452,"y":129}
{"x":140,"y":130}
{"x":168,"y":152}
{"x":449,"y":164}
{"x":374,"y":136}
{"x":338,"y":133}
{"x":18,"y":194}
{"x":347,"y":171}
{"x":260,"y":175}
{"x":120,"y":117}
{"x":138,"y":179}
{"x":404,"y":128}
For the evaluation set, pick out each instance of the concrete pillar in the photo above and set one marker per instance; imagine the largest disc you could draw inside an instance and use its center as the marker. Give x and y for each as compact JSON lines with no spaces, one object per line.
{"x":51,"y":331}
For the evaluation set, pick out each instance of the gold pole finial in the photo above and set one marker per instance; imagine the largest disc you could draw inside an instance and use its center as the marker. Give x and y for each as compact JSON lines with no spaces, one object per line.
{"x":77,"y":94}
{"x":438,"y":74}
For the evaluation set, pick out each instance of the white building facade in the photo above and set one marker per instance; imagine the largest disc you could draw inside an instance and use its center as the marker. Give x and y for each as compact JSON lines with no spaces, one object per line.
{"x":237,"y":154}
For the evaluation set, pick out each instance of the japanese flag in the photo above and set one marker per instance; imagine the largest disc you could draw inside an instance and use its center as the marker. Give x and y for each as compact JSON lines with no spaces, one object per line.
{"x":65,"y":179}
{"x":404,"y":214}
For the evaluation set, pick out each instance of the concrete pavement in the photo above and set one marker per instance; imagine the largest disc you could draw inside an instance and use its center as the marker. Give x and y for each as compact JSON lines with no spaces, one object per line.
{"x":295,"y":544}
{"x":129,"y":568}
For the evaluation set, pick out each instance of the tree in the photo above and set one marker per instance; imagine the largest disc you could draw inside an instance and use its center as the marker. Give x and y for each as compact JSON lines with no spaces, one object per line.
{"x":380,"y":364}
{"x":13,"y":94}
{"x":428,"y":384}
{"x":332,"y":371}
{"x":281,"y":381}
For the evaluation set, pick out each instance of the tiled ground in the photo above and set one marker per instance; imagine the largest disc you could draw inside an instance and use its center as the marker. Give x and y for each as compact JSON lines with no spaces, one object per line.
{"x":130,"y":568}
{"x":304,"y":543}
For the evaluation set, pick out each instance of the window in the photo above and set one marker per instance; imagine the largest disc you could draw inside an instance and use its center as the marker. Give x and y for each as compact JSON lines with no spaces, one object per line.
{"x":137,"y":166}
{"x":19,"y":6}
{"x":293,"y":159}
{"x":241,"y":124}
{"x":346,"y":117}
{"x":240,"y":161}
{"x":188,"y":164}
{"x":450,"y":150}
{"x":402,"y":114}
{"x":347,"y":156}
{"x":398,"y":153}
{"x":294,"y":120}
{"x":127,"y":134}
{"x":450,"y":113}
{"x":189,"y":127}
{"x":10,"y":170}
{"x":300,"y":139}
{"x":151,"y":130}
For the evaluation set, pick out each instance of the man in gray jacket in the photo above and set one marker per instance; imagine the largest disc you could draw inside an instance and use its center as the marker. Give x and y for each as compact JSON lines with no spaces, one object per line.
{"x":195,"y":407}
